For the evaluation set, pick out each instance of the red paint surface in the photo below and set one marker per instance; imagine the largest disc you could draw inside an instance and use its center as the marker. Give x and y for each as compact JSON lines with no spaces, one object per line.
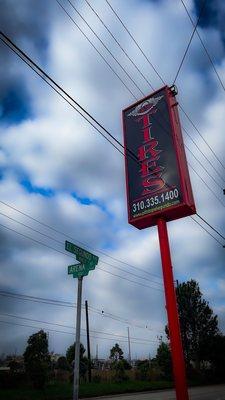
{"x":172,"y":313}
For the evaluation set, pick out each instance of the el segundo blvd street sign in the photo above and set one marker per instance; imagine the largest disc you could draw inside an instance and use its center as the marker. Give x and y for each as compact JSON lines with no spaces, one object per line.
{"x":87,"y":260}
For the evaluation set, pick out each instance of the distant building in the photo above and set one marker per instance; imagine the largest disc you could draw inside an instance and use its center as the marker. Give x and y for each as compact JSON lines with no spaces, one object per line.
{"x":54,"y":357}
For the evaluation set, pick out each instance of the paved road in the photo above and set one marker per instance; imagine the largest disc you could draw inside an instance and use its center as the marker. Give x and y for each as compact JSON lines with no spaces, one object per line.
{"x":215,"y":392}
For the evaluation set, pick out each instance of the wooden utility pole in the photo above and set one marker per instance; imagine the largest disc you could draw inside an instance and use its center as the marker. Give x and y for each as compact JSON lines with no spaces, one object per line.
{"x":88,"y":342}
{"x":128,"y":332}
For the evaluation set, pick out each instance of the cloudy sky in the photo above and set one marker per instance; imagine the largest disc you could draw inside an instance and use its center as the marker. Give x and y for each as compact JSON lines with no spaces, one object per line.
{"x":57,"y":169}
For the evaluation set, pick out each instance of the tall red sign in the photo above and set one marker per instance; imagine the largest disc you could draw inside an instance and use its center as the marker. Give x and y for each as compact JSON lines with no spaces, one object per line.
{"x":159,"y":190}
{"x":158,"y":182}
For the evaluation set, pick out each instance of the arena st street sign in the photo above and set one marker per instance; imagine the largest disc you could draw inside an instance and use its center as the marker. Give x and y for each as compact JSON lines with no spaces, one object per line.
{"x":78,"y":270}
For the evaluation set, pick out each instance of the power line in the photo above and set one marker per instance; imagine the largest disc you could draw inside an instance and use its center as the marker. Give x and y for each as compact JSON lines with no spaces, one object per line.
{"x":162,"y":80}
{"x":204,"y":47}
{"x":98,"y":268}
{"x":142,"y":52}
{"x":68,"y":304}
{"x":167,"y":132}
{"x":108,"y":30}
{"x":214,"y":180}
{"x":209,"y":188}
{"x":103,"y":270}
{"x":101,"y":41}
{"x":218,"y":233}
{"x":71,"y":327}
{"x":198,"y":131}
{"x":55,"y":86}
{"x":129,"y":75}
{"x":130,"y":280}
{"x":37,"y":299}
{"x":78,"y":241}
{"x":61,"y":243}
{"x":203,"y":154}
{"x":189,"y":42}
{"x":59,"y":251}
{"x":119,"y":44}
{"x":218,"y":241}
{"x":112,"y":69}
{"x":42,"y":74}
{"x":67,"y":333}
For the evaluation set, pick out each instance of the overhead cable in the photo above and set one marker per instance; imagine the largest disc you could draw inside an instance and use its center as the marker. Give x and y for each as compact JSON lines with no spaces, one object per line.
{"x":189,"y":42}
{"x":71,"y":327}
{"x":206,"y":230}
{"x":42,"y":74}
{"x":162,"y":80}
{"x":63,"y":303}
{"x":132,"y":37}
{"x":119,"y":44}
{"x":65,"y":254}
{"x":67,"y":333}
{"x":101,"y":41}
{"x":208,"y":187}
{"x":78,"y":241}
{"x":55,"y":86}
{"x":205,"y":48}
{"x":199,"y":133}
{"x":207,"y":223}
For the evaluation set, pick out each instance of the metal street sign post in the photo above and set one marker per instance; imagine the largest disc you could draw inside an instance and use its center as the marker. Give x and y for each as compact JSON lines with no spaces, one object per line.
{"x":87,"y":262}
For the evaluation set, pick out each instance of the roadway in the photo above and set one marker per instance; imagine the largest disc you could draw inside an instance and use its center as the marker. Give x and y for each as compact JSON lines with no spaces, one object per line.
{"x":215,"y":392}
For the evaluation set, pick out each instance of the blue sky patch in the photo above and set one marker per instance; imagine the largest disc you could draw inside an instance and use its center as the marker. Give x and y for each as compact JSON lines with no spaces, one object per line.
{"x":89,"y":201}
{"x":44,"y":191}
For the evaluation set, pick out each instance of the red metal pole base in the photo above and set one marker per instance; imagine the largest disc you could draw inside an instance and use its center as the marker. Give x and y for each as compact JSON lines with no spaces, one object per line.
{"x":172,"y":313}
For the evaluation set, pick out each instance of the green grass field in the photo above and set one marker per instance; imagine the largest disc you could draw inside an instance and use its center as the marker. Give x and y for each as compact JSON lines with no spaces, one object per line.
{"x":64,"y":391}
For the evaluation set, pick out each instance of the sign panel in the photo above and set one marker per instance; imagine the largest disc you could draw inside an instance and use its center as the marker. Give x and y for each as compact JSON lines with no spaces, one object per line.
{"x":88,"y":261}
{"x":158,"y":183}
{"x":78,"y":270}
{"x":82,"y":255}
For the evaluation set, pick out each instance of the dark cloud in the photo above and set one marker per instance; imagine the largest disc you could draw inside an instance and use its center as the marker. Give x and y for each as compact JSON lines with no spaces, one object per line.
{"x":59,"y":172}
{"x":27,"y":24}
{"x":15,"y":105}
{"x":213,"y":15}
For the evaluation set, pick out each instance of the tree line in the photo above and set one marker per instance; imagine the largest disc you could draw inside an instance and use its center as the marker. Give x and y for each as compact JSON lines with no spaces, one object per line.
{"x":203,"y":344}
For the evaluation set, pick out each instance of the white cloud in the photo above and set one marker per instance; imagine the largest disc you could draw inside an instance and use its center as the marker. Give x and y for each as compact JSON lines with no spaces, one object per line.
{"x":57,"y":149}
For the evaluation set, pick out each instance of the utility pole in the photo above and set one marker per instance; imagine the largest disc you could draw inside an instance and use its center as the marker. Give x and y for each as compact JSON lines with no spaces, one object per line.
{"x":88,"y":342}
{"x":87,"y":262}
{"x":77,"y":344}
{"x":128,"y":332}
{"x":97,"y":352}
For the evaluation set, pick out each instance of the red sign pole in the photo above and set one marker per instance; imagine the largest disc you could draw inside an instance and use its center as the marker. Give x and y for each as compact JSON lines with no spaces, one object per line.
{"x":172,"y":313}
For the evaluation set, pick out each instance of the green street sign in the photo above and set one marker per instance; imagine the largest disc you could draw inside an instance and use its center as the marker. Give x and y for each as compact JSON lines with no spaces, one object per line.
{"x":88,"y":264}
{"x":77,"y":270}
{"x":72,"y":269}
{"x":87,"y":261}
{"x":86,"y":255}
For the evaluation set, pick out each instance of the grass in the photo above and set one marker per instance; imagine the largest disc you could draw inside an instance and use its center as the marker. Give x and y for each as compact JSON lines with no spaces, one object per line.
{"x":63,"y":391}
